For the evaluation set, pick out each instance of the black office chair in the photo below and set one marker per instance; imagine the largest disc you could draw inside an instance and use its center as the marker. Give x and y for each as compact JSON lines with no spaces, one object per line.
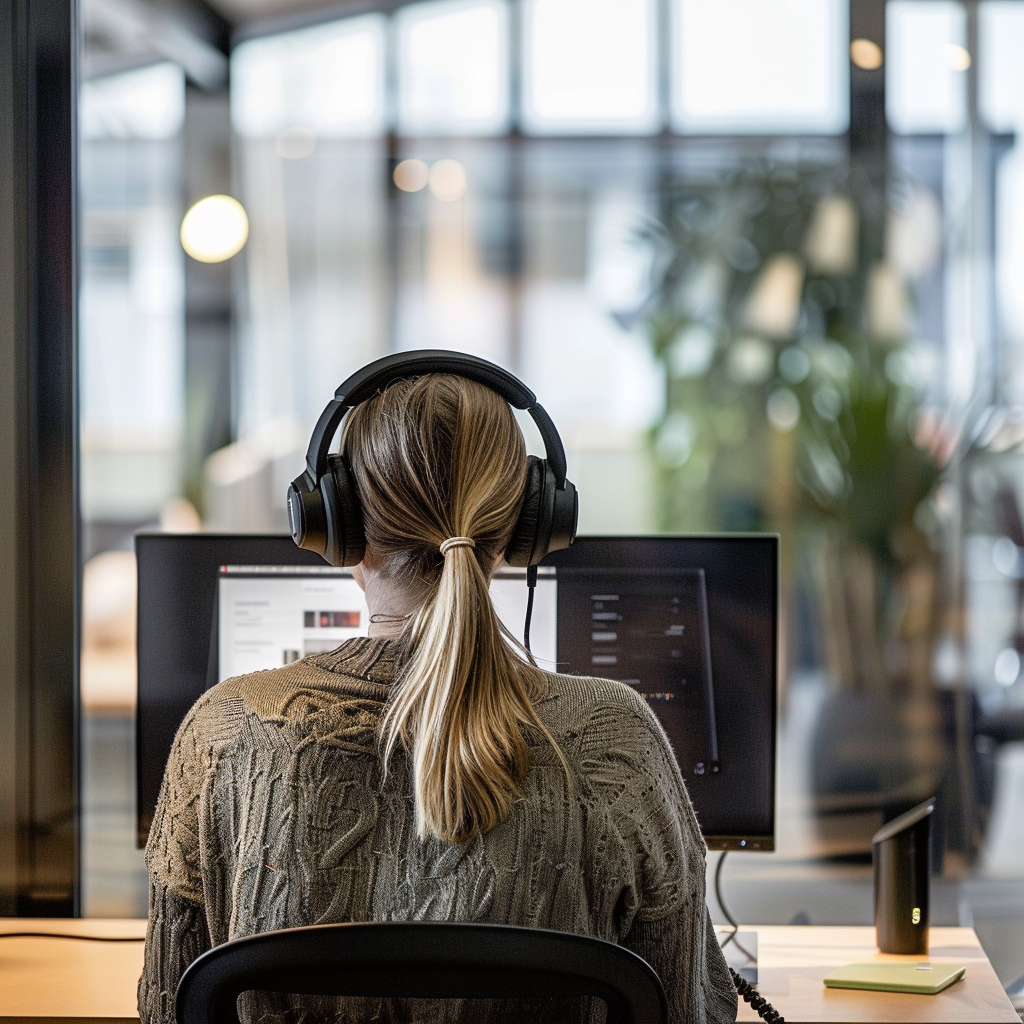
{"x":421,"y":959}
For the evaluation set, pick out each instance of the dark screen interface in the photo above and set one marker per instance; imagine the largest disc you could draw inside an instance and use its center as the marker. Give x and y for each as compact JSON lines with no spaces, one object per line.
{"x":649,"y":631}
{"x":695,"y":624}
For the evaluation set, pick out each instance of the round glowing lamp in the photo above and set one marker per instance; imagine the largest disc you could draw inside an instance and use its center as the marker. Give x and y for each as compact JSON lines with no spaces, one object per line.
{"x":866,"y":54}
{"x":214,"y":229}
{"x":411,"y":175}
{"x":448,"y":180}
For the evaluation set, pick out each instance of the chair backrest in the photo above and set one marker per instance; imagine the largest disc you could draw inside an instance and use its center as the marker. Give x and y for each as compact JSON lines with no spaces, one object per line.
{"x":421,"y":959}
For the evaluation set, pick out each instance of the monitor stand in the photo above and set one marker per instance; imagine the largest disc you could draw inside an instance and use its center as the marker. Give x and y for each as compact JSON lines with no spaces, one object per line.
{"x":740,"y":952}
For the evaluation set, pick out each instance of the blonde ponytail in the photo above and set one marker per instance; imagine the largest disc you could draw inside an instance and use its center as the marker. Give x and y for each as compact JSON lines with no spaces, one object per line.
{"x":439,"y":463}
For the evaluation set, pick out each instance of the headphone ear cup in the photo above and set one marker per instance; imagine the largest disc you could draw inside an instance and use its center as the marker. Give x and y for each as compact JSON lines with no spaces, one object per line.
{"x":346,"y":542}
{"x":565,"y":516}
{"x":306,"y":518}
{"x":534,"y":518}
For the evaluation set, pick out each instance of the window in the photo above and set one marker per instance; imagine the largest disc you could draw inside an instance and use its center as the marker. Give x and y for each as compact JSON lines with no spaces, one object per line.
{"x":1001,"y":70}
{"x":759,"y":66}
{"x":144,"y":104}
{"x":327,"y":80}
{"x":926,"y":89}
{"x":589,"y":67}
{"x":1001,"y":102}
{"x":453,"y":68}
{"x":131,"y":300}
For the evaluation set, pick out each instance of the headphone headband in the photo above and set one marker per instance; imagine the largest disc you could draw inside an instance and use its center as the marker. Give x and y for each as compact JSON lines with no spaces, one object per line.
{"x":375,"y":376}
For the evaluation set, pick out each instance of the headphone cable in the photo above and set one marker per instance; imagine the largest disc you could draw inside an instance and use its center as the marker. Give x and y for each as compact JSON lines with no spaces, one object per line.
{"x":531,"y":586}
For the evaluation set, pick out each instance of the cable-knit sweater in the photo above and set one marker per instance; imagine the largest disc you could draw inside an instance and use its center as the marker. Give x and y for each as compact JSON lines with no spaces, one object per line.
{"x":274,"y":813}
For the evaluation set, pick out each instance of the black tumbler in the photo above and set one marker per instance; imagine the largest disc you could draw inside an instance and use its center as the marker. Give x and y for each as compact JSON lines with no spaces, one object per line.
{"x":900,"y":851}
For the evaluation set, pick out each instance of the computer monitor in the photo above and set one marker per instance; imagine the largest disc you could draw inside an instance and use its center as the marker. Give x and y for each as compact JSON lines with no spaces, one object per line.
{"x":691,"y":623}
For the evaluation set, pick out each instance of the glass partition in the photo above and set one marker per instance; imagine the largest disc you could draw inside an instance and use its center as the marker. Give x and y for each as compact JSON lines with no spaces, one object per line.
{"x":132,"y":409}
{"x":761,"y":270}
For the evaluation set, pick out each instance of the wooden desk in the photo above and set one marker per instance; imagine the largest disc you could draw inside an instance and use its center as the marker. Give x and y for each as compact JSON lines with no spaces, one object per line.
{"x":68,"y":981}
{"x":792,"y":961}
{"x":63,"y":981}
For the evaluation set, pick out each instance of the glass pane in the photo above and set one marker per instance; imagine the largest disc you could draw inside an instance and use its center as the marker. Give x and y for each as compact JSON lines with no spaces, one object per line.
{"x":450,"y":289}
{"x":590,"y":67}
{"x":453,"y":68}
{"x":328,"y":80}
{"x":132,"y":292}
{"x":310,"y":308}
{"x":1001,"y":100}
{"x":144,"y":104}
{"x":731,"y":333}
{"x":1001,"y":64}
{"x":587,"y":272}
{"x":759,"y":66}
{"x":925,"y":81}
{"x":132,"y":422}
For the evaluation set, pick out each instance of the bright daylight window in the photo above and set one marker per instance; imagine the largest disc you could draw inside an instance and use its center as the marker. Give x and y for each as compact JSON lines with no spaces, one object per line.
{"x":144,"y":104}
{"x":1001,"y":71}
{"x":926,"y":88}
{"x":1001,"y":99}
{"x":590,"y":67}
{"x":132,"y":332}
{"x":453,"y":68}
{"x":328,"y":80}
{"x":759,"y":67}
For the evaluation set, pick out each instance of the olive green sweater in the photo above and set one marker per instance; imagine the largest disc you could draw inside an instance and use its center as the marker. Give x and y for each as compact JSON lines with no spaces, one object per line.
{"x":274,"y":813}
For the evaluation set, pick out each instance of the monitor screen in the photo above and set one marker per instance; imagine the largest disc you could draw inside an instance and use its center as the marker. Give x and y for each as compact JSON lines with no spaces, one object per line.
{"x":690,"y":623}
{"x":271,"y":615}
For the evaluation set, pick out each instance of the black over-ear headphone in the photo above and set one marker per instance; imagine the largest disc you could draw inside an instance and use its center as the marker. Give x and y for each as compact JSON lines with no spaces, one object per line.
{"x":323,"y":507}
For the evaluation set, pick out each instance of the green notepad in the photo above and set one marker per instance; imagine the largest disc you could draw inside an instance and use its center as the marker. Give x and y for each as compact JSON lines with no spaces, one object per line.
{"x":923,"y":978}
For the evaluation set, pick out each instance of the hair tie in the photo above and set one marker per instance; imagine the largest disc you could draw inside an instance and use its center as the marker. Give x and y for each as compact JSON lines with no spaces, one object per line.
{"x":457,"y":542}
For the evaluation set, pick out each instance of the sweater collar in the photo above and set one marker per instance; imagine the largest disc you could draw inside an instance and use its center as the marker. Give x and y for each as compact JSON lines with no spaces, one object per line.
{"x":373,"y":659}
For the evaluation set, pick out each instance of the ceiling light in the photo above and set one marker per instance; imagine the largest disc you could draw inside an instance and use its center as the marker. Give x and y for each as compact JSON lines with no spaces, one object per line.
{"x":957,"y":57}
{"x":411,"y":175}
{"x":214,"y":229}
{"x":448,"y":180}
{"x":866,"y":54}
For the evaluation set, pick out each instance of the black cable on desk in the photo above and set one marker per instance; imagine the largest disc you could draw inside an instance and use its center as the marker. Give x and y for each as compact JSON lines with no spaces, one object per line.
{"x":731,"y":937}
{"x":749,"y":992}
{"x":764,"y":1009}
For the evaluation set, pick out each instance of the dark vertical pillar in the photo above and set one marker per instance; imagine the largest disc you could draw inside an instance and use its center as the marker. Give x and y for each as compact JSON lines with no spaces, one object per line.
{"x":392,"y":193}
{"x":516,"y":170}
{"x":209,"y":337}
{"x":868,"y":130}
{"x":38,"y":459}
{"x":392,"y":237}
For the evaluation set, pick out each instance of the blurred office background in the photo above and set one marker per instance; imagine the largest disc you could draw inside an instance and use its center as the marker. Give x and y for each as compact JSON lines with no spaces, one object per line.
{"x":762,"y":260}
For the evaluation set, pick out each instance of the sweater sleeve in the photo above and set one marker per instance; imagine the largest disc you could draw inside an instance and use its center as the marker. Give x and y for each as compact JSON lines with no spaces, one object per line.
{"x":177,"y":933}
{"x":694,"y":973}
{"x":663,"y":915}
